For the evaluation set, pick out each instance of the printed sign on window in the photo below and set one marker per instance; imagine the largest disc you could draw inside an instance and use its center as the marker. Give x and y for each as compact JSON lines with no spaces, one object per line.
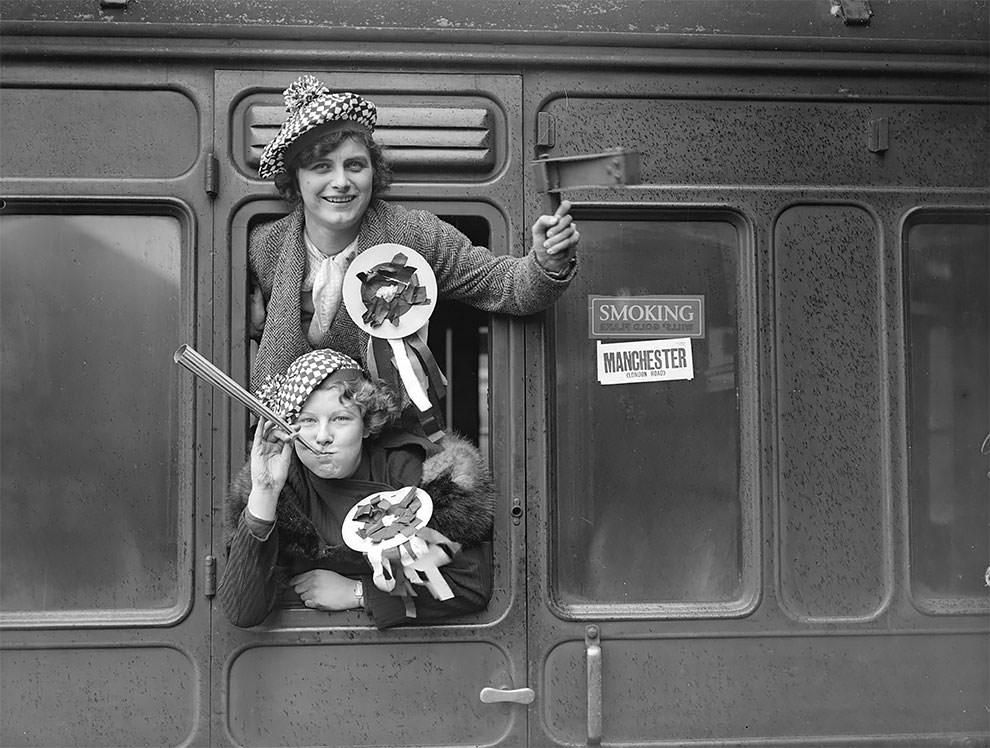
{"x":646,"y":317}
{"x":645,"y":361}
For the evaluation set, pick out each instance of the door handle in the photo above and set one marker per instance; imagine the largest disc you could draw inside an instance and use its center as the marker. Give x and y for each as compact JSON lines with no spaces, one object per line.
{"x":593,"y":654}
{"x":516,"y":695}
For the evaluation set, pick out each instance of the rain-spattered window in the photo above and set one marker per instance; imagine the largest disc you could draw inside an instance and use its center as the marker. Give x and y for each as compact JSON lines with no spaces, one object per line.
{"x":92,"y":512}
{"x":948,"y":311}
{"x":648,"y":509}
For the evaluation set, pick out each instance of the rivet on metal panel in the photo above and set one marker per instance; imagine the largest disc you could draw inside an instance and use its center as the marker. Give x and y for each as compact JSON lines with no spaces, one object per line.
{"x":516,"y":511}
{"x":593,"y":655}
{"x":852,"y":12}
{"x":878,"y":136}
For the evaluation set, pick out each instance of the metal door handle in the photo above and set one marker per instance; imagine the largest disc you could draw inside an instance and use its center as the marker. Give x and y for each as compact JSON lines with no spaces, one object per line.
{"x":593,"y":654}
{"x":517,"y":695}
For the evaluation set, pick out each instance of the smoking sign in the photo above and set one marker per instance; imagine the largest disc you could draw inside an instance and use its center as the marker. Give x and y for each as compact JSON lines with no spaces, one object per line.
{"x":646,"y":317}
{"x":645,"y":361}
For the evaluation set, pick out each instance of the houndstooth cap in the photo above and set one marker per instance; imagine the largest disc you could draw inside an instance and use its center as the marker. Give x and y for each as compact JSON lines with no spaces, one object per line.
{"x":287,"y":392}
{"x":310,"y":104}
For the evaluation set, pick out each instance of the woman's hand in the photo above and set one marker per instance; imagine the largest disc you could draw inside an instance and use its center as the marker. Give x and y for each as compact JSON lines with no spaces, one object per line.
{"x":555,"y":240}
{"x":271,"y":454}
{"x":325,"y":590}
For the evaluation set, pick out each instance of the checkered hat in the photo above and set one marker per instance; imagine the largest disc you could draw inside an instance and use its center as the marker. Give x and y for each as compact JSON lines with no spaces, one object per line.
{"x":287,"y":392}
{"x":310,"y":104}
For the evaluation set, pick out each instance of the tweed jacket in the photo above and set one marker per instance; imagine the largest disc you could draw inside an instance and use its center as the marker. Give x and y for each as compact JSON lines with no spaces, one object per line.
{"x":277,"y":255}
{"x":463,"y":496}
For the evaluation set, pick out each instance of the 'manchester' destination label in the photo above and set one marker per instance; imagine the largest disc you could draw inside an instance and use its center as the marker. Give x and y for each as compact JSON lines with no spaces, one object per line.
{"x":646,"y":317}
{"x":645,"y":361}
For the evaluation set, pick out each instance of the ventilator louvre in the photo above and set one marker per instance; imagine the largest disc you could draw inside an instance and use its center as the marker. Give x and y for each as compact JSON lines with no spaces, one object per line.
{"x":435,"y":142}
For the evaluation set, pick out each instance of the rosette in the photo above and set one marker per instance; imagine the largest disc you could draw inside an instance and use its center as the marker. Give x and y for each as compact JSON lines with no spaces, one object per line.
{"x":390,"y":292}
{"x":389,"y":528}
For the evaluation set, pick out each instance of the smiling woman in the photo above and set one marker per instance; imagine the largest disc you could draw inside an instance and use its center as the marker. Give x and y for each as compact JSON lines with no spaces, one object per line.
{"x":336,"y":190}
{"x":327,"y":165}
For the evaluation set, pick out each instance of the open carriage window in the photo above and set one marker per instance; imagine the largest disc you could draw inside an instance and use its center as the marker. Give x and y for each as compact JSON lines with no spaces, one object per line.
{"x":458,"y":339}
{"x":648,"y":506}
{"x":948,"y":286}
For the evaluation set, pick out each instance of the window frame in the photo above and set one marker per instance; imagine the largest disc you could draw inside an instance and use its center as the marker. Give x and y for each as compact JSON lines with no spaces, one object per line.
{"x":938,"y":604}
{"x":747,"y":391}
{"x":183,"y":413}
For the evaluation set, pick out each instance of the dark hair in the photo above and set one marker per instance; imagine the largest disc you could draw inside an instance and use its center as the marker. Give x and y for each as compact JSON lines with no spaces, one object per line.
{"x":287,"y":182}
{"x":377,"y":401}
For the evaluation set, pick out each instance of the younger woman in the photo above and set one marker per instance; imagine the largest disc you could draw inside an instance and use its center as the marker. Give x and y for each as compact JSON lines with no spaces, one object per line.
{"x":284,"y":512}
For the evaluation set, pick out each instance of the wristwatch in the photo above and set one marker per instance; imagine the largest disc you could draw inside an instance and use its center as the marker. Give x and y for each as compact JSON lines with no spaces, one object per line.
{"x":359,"y":593}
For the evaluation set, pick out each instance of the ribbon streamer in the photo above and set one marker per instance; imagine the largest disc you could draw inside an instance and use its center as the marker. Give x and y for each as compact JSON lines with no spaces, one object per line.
{"x":409,"y":363}
{"x":390,"y":290}
{"x":413,"y":386}
{"x":417,"y":561}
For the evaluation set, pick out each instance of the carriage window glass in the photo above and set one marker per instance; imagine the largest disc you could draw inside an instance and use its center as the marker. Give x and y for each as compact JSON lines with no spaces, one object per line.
{"x":949,"y":329}
{"x":647,"y":506}
{"x":91,"y":315}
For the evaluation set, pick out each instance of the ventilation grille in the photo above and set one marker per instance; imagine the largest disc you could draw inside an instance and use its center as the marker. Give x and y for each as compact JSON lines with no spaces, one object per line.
{"x":439,"y":143}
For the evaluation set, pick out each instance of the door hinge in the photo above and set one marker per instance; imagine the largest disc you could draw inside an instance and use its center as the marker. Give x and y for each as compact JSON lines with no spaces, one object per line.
{"x":210,"y":576}
{"x":211,"y":179}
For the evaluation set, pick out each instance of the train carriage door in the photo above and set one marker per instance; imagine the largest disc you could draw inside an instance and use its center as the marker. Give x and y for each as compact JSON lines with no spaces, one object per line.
{"x":305,"y":677}
{"x":645,"y":531}
{"x":106,"y":231}
{"x":757,"y":504}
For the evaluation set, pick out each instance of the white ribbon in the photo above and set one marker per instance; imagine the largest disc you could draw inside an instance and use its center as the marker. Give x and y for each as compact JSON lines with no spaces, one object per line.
{"x":413,"y":386}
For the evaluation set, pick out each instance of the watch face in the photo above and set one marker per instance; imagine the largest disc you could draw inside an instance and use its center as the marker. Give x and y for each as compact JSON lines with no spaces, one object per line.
{"x":390,"y":291}
{"x":386,"y":519}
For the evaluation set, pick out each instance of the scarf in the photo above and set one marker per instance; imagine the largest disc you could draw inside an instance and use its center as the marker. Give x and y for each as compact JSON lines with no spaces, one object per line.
{"x":281,"y":267}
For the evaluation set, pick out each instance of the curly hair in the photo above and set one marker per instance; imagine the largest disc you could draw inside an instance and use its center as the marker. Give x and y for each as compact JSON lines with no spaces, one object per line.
{"x":287,"y":182}
{"x":378,"y":402}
